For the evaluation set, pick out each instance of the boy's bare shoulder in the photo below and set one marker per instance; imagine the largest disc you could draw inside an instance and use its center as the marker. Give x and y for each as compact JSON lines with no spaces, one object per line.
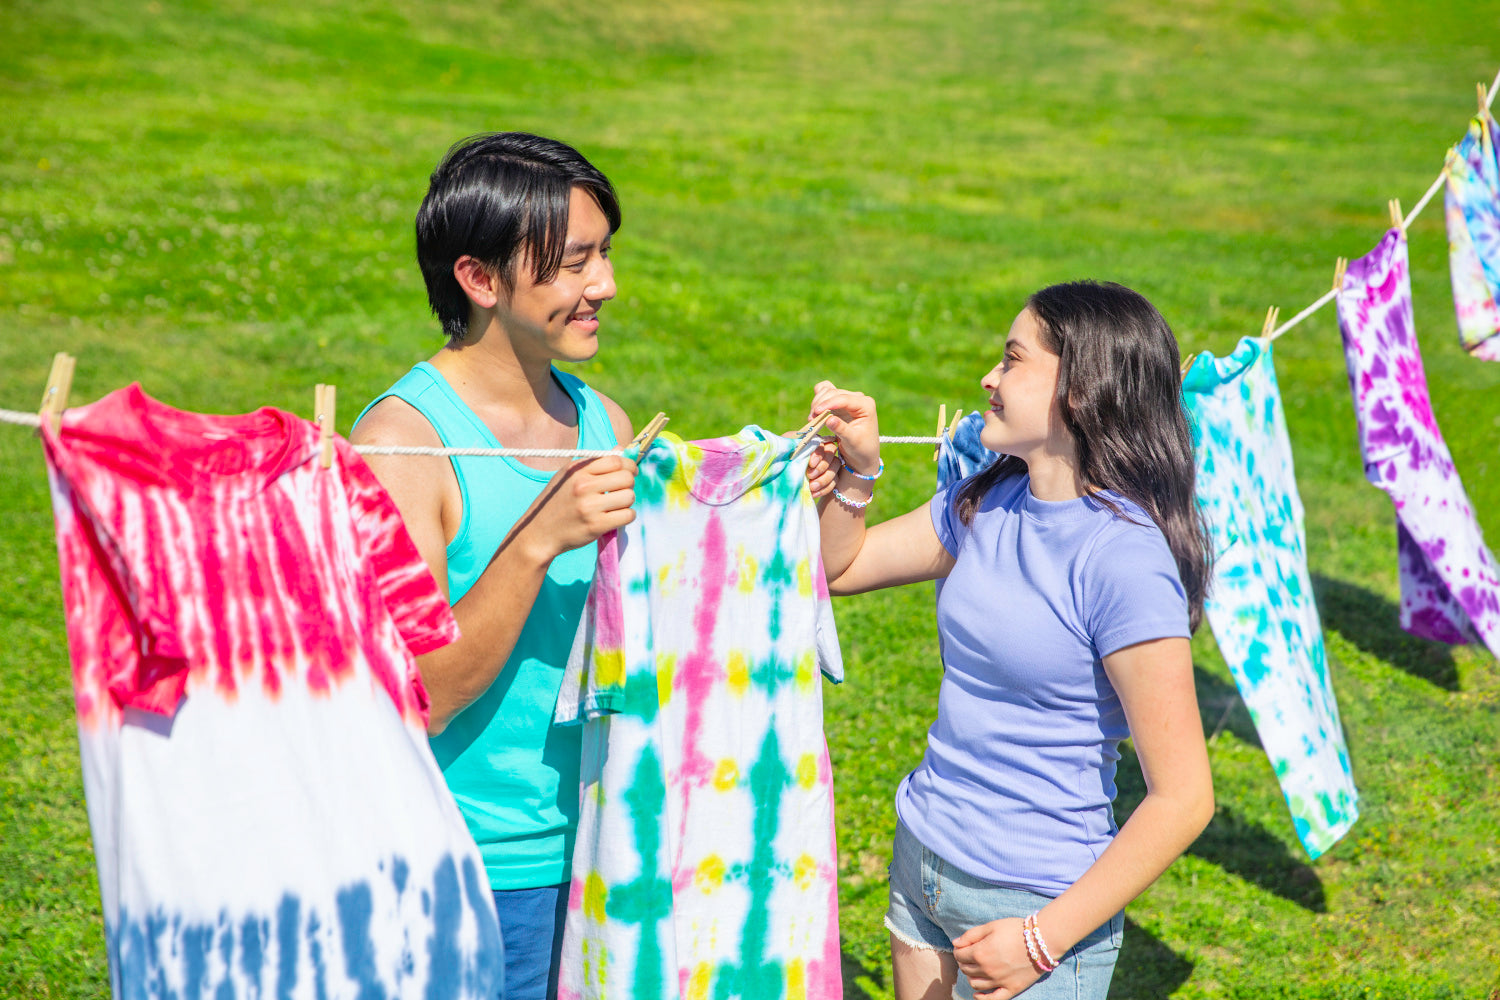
{"x":394,"y":421}
{"x":618,"y":419}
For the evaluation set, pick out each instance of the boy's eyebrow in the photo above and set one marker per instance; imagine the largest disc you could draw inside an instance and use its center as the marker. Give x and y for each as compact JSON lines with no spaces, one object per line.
{"x":570,"y":249}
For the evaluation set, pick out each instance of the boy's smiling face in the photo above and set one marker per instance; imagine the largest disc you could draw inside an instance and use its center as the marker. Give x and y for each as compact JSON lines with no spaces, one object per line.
{"x":559,"y":319}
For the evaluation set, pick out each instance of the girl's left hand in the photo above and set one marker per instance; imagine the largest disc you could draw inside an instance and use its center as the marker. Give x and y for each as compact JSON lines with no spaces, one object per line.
{"x":823,"y":468}
{"x":993,"y":956}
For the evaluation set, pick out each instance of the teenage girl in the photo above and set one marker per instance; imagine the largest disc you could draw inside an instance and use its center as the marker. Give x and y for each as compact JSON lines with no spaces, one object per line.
{"x":1075,"y":569}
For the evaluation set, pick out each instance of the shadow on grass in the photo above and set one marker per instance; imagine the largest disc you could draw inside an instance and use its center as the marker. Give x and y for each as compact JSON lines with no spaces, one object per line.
{"x":1373,"y":624}
{"x":854,"y":970}
{"x":1222,"y":709}
{"x":1147,"y":969}
{"x":1241,"y":847}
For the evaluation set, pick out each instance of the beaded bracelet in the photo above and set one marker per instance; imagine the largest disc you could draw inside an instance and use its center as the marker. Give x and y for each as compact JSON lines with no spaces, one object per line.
{"x":868,"y":479}
{"x":1036,"y":947}
{"x":850,"y":502}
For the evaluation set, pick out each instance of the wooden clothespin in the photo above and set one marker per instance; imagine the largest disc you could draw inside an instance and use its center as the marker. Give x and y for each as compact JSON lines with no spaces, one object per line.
{"x":942,"y":423}
{"x":1270,"y":324}
{"x":811,"y":428}
{"x":55,"y":395}
{"x":1397,"y":219}
{"x":953,"y":424}
{"x":1187,"y":363}
{"x":1340,"y":268}
{"x":1484,"y":99}
{"x":647,"y":437}
{"x":324,"y":413}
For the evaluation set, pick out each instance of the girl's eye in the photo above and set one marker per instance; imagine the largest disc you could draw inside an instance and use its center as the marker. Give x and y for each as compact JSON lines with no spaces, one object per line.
{"x":576,"y":265}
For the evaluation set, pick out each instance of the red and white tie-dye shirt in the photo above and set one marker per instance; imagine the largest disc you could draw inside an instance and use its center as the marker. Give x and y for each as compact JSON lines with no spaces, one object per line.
{"x":266,"y":813}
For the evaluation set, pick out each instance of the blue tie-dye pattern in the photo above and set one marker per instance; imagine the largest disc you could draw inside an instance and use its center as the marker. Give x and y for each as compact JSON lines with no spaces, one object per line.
{"x":315,"y":952}
{"x":253,"y":938}
{"x":961,"y":455}
{"x":489,"y":956}
{"x":225,"y":989}
{"x":162,"y":956}
{"x":1260,"y":601}
{"x":354,"y":906}
{"x":442,"y":952}
{"x":288,"y":938}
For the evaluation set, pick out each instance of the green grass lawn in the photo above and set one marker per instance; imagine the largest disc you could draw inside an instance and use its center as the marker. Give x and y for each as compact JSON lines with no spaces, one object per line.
{"x":216,"y":199}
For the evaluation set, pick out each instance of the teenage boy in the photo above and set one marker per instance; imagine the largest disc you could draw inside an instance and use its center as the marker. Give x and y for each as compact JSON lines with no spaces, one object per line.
{"x":513,"y":240}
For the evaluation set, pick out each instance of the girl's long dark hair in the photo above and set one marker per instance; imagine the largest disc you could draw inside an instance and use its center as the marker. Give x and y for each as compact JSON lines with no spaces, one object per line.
{"x":1119,"y":390}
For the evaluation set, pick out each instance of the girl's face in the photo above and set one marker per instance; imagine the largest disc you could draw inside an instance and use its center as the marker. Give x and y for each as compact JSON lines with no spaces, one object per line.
{"x":1023,"y":418}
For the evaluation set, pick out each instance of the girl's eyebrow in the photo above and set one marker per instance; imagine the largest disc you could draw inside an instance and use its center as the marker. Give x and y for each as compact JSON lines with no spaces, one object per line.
{"x":571,"y":249}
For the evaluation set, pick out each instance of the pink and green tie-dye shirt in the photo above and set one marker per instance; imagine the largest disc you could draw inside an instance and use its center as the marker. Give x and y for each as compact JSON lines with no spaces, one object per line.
{"x":705,"y":863}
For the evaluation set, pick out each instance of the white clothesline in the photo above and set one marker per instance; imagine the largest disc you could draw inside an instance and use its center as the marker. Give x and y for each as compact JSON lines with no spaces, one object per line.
{"x":1328,"y":296}
{"x":33,"y":420}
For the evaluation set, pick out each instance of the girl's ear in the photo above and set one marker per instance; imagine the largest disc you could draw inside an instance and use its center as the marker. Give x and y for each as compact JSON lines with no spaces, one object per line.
{"x":479,"y":282}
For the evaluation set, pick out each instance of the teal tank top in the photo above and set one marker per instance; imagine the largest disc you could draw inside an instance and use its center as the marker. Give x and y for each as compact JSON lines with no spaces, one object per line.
{"x":513,"y":774}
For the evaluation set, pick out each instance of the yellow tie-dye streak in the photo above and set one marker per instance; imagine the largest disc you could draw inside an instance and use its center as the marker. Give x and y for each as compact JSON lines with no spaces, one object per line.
{"x":807,"y":670}
{"x":737,"y":673}
{"x":804,"y":578}
{"x":595,"y":892}
{"x":727,"y":775}
{"x":749,"y":571}
{"x":803,"y":871}
{"x":807,"y":770}
{"x":666,"y":670}
{"x":796,"y":980}
{"x":710,"y":873}
{"x":698,"y":984}
{"x":609,"y":667}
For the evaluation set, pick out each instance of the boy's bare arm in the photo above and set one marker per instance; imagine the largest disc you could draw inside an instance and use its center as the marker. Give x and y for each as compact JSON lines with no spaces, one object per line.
{"x":579,"y":504}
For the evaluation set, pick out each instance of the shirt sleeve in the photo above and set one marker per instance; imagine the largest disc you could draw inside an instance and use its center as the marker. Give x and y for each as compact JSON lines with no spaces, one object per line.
{"x":421,"y":613}
{"x":1131,"y":590}
{"x":950,"y":530}
{"x":593,"y":682}
{"x":122,"y":639}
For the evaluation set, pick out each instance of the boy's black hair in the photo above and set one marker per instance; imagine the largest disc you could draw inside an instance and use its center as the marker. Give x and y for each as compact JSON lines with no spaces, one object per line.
{"x":498,"y":197}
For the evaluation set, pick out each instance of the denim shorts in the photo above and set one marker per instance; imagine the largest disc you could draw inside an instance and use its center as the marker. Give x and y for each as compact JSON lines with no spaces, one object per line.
{"x":932,"y":903}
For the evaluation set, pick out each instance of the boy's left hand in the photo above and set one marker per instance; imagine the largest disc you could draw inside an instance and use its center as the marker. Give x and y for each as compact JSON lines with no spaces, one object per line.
{"x":823,"y":468}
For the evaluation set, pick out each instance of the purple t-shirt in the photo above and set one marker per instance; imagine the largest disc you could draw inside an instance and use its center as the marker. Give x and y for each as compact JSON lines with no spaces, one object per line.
{"x":1019,"y":776}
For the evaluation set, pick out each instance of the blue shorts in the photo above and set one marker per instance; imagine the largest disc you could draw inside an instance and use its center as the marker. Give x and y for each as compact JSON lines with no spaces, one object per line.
{"x":932,"y":903}
{"x":531,"y":927}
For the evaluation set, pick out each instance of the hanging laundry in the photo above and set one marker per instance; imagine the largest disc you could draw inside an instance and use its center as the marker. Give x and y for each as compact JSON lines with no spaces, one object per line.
{"x":1472,"y":208}
{"x":1260,"y":601}
{"x":1450,"y":588}
{"x":267,"y":817}
{"x":960,"y":454}
{"x":705,"y":864}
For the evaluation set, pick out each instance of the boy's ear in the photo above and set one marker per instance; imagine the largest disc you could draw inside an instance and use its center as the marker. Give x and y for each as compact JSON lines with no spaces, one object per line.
{"x":479,"y":283}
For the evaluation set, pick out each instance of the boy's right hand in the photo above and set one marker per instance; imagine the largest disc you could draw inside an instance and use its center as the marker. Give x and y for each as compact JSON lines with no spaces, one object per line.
{"x":581,"y":502}
{"x":854,"y":423}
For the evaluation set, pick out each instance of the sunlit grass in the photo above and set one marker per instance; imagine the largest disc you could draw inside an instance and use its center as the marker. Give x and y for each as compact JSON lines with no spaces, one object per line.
{"x":216,"y":199}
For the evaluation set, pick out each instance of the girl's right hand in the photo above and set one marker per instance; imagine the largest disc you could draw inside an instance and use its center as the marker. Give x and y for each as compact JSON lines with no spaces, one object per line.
{"x":853,"y":422}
